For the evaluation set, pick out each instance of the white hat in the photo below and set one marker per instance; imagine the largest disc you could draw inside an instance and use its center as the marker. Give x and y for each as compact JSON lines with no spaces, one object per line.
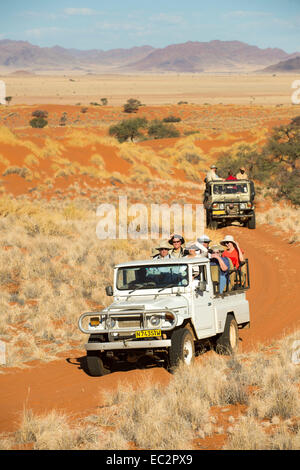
{"x":228,"y":238}
{"x":203,"y":239}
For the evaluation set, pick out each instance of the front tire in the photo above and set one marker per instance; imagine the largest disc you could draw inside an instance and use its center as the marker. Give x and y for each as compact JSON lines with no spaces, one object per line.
{"x":182,"y":348}
{"x":252,"y":222}
{"x":95,"y":366}
{"x":228,"y":342}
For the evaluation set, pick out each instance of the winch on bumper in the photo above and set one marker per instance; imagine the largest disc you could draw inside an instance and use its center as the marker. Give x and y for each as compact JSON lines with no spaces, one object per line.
{"x":128,"y":329}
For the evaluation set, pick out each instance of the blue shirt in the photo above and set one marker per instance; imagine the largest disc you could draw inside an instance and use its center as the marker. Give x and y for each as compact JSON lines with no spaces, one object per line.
{"x":223,"y":274}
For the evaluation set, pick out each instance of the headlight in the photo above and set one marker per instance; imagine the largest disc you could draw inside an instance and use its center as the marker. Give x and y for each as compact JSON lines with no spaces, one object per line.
{"x":154,"y":320}
{"x":242,"y":206}
{"x":222,"y":206}
{"x":215,"y":205}
{"x":110,"y":322}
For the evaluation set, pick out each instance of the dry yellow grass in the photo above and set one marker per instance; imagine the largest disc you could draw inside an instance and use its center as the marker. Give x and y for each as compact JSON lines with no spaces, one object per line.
{"x":179,"y":416}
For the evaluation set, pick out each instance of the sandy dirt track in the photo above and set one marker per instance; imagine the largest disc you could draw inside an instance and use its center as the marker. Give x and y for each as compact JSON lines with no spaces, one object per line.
{"x":274,"y":305}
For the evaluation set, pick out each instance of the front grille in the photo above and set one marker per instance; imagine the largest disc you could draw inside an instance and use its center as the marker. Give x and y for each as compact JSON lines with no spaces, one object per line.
{"x":129,"y":323}
{"x":232,"y":208}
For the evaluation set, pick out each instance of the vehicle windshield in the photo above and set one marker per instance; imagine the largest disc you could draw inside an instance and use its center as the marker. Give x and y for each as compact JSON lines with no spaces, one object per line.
{"x":152,"y":277}
{"x":232,"y":188}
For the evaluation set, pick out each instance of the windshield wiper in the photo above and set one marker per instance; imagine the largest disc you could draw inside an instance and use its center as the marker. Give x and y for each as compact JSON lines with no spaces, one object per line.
{"x":141,"y":286}
{"x":166,"y":287}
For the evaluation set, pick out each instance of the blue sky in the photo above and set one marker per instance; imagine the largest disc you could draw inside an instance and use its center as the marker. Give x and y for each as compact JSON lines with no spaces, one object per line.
{"x":91,"y":24}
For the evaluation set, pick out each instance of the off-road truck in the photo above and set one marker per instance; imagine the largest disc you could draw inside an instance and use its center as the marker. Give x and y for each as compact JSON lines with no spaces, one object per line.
{"x":229,"y":201}
{"x":166,"y":309}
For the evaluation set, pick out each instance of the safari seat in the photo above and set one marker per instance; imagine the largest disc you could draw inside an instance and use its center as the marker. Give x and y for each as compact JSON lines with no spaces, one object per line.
{"x":215,"y":277}
{"x":232,"y":276}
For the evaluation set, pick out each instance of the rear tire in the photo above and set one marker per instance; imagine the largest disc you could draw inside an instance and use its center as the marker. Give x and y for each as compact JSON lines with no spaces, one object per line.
{"x":182,"y":348}
{"x":95,"y":366}
{"x":252,"y":222}
{"x":228,"y":342}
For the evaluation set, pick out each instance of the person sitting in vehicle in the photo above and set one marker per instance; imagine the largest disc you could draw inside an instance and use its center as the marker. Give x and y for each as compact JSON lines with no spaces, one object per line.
{"x":230,"y":176}
{"x":242,"y":175}
{"x":233,"y":251}
{"x":222,"y":262}
{"x":177,"y":241}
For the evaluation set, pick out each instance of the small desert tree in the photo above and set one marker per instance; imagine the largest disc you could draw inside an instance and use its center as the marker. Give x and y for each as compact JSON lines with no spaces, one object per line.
{"x":159,"y":130}
{"x":128,"y":129}
{"x":132,"y":106}
{"x":8,"y":99}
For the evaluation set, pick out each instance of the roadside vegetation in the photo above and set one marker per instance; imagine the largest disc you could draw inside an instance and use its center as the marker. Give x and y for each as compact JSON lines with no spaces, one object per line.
{"x":249,"y":402}
{"x":276,"y":165}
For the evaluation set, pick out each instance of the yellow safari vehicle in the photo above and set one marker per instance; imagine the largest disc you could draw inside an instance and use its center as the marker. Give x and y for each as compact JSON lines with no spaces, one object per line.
{"x":229,"y":201}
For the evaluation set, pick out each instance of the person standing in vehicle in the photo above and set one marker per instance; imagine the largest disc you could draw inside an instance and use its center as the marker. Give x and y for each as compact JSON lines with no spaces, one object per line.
{"x":242,"y":175}
{"x":177,"y":241}
{"x":212,"y":175}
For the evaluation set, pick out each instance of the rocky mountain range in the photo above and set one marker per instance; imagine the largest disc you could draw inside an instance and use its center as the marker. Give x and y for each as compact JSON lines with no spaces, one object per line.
{"x":285,"y":66}
{"x":189,"y":57}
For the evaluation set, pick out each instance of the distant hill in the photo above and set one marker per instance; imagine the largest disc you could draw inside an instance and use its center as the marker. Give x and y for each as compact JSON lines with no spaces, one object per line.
{"x":16,"y":55}
{"x":213,"y":56}
{"x":229,"y":56}
{"x":289,"y":65}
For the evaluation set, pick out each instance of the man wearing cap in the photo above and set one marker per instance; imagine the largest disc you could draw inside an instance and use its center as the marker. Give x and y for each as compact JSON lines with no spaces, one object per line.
{"x":204,"y":242}
{"x":177,"y":241}
{"x":212,"y":175}
{"x":217,"y":259}
{"x":242,"y":175}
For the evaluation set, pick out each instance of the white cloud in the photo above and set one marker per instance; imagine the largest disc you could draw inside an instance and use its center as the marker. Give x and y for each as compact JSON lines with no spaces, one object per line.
{"x":167,"y":18}
{"x":38,"y":32}
{"x":80,"y":11}
{"x":247,"y":14}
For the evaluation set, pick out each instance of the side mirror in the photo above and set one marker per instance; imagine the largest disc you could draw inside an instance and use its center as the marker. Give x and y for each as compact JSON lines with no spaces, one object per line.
{"x":109,"y":291}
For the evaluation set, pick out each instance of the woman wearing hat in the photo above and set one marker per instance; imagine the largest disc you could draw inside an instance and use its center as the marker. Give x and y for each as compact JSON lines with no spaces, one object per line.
{"x":232,"y":250}
{"x":177,"y":241}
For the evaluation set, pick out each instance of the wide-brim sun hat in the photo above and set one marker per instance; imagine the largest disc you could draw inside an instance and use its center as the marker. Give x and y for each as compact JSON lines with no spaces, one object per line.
{"x":228,"y":238}
{"x":213,"y":166}
{"x":180,"y":237}
{"x":215,"y":248}
{"x":164,"y":245}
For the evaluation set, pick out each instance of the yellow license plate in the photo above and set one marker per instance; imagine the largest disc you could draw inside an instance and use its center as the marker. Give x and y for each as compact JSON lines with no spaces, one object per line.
{"x":218,"y":212}
{"x":147,"y":333}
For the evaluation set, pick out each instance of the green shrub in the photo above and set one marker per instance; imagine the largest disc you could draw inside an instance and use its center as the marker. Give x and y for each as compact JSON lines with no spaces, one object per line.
{"x":158,"y":130}
{"x":172,"y":119}
{"x":38,"y":122}
{"x":128,"y":129}
{"x":132,"y":106}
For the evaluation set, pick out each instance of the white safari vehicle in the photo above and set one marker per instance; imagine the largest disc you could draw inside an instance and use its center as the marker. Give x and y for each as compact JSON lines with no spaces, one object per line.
{"x":167,"y":309}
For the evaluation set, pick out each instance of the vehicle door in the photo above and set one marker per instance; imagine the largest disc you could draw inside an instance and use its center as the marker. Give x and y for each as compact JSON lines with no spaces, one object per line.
{"x":203,"y":310}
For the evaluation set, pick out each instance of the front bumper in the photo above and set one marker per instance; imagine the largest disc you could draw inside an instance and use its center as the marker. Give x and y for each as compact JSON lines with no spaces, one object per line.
{"x":154,"y":344}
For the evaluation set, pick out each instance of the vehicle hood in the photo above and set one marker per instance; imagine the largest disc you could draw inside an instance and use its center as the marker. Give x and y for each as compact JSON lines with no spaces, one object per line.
{"x":172,"y":302}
